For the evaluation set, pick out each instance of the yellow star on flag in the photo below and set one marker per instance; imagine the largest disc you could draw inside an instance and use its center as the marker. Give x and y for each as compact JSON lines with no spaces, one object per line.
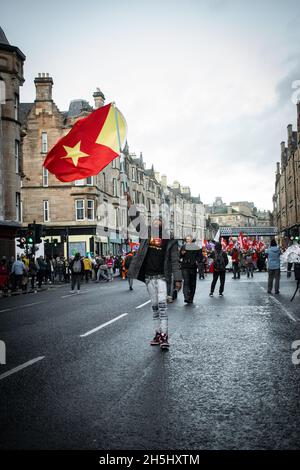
{"x":75,"y":153}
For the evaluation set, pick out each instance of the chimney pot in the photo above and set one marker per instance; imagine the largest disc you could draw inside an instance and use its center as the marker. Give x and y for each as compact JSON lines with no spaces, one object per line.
{"x":43,"y":85}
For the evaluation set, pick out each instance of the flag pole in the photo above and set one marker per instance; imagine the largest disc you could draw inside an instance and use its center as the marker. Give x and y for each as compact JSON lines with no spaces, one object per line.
{"x":123,"y":176}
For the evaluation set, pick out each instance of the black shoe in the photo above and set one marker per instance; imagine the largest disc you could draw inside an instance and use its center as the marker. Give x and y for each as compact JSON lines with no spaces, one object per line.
{"x":130,"y":288}
{"x":220,"y":294}
{"x":211,"y":294}
{"x":277,"y":292}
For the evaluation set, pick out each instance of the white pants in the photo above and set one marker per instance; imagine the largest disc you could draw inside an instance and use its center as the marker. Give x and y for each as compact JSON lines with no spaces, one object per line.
{"x":157,"y":289}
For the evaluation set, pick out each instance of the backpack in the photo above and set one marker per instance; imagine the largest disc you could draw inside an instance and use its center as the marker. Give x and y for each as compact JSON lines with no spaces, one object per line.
{"x":219,"y":262}
{"x":77,"y":266}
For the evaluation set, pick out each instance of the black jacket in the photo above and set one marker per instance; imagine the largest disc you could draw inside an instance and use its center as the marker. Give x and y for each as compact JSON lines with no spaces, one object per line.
{"x":171,"y":261}
{"x":190,"y":256}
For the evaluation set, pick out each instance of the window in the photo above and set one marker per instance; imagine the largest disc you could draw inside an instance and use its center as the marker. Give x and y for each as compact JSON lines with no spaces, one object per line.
{"x":115,"y":187}
{"x":134,"y":196}
{"x":114,"y":163}
{"x":17,"y":156}
{"x":117,"y":217}
{"x":90,"y":209}
{"x":123,"y":218}
{"x":45,"y":177}
{"x":104,"y":182}
{"x":79,"y":204}
{"x":16,"y":107}
{"x":44,"y":142}
{"x":79,"y":182}
{"x":133,"y":174}
{"x":46,"y":211}
{"x":89,"y":181}
{"x":18,"y":207}
{"x":122,"y":188}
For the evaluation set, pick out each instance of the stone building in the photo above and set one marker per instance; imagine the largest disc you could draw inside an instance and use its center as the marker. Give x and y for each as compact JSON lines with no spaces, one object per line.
{"x":91,"y":214}
{"x":11,"y":78}
{"x":286,"y":199}
{"x":236,"y":214}
{"x":84,"y":210}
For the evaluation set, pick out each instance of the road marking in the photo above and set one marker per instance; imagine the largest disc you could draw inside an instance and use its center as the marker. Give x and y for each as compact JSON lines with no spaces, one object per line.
{"x":22,"y":306}
{"x":142,"y":305}
{"x":276,"y":301}
{"x":22,"y":366}
{"x":103,"y":325}
{"x":75,"y":293}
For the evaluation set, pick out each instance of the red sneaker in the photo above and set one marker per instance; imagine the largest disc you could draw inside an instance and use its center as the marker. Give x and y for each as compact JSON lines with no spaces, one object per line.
{"x":164,"y":343}
{"x":156,"y":340}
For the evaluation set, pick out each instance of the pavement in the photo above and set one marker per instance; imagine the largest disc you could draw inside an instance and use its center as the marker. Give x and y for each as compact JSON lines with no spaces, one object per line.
{"x":80,"y":373}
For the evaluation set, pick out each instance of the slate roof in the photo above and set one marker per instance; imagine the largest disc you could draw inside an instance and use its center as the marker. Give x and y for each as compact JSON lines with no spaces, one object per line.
{"x":77,"y":106}
{"x":25,"y":108}
{"x":3,"y":38}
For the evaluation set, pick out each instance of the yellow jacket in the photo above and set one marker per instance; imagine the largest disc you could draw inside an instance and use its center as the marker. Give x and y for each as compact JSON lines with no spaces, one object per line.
{"x":87,"y":264}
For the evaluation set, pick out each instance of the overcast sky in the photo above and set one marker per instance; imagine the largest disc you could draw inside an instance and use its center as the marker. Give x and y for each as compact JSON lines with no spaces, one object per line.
{"x":205,"y":85}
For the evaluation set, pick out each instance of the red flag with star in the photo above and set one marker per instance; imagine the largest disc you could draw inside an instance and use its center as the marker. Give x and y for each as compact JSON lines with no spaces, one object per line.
{"x":92,"y":143}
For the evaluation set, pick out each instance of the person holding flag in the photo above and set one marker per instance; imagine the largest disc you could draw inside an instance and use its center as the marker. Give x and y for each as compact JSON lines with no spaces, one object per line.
{"x":155,"y":262}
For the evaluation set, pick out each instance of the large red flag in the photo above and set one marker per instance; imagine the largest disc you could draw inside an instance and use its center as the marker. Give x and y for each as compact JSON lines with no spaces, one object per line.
{"x":92,"y":143}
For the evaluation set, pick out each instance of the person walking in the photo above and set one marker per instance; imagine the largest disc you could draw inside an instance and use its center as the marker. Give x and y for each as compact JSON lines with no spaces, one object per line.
{"x":236,"y":263}
{"x":157,"y":258}
{"x":32,"y":272}
{"x":4,"y":276}
{"x":190,"y":258}
{"x":17,"y":270}
{"x":127,"y":263}
{"x":249,"y":264}
{"x":273,"y":255}
{"x":77,"y":269}
{"x":110,"y":265}
{"x":41,"y":273}
{"x":220,"y":261}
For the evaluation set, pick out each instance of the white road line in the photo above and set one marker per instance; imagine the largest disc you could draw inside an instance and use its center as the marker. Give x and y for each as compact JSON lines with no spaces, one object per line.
{"x":103,"y":325}
{"x":22,"y":366}
{"x":142,"y":305}
{"x":75,"y":293}
{"x":276,"y":301}
{"x":22,"y":306}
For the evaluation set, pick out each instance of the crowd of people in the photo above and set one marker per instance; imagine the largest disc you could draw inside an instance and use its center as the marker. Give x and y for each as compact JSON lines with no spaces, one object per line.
{"x":28,"y":274}
{"x":162,"y":263}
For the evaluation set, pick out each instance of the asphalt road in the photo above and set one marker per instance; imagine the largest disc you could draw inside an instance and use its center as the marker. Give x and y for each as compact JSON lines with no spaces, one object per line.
{"x":227,"y":382}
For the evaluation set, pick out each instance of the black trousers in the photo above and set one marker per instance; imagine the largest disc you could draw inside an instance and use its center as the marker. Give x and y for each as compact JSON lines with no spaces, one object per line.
{"x":189,"y":283}
{"x":218,"y":275}
{"x":236,"y":270}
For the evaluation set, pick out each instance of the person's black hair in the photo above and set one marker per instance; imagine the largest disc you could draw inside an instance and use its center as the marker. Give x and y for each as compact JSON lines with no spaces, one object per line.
{"x":273,"y":242}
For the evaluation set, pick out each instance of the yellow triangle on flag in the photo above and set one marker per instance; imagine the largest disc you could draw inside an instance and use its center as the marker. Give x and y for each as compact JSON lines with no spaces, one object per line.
{"x":108,"y":135}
